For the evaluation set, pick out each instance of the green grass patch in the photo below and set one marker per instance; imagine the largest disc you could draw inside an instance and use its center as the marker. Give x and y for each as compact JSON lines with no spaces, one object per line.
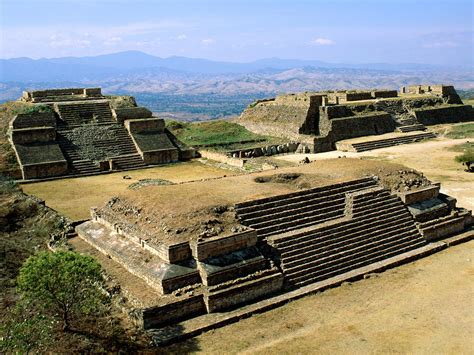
{"x":465,"y":130}
{"x":213,"y":133}
{"x":465,"y":147}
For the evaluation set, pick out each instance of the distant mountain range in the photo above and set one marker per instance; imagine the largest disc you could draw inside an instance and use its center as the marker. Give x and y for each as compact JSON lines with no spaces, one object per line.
{"x":137,"y":72}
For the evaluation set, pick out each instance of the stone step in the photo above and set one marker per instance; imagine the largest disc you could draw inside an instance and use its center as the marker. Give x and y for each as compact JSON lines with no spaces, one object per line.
{"x":291,"y":209}
{"x":360,"y":147}
{"x":286,"y":239}
{"x":412,"y":128}
{"x":275,"y":201}
{"x":366,"y":256}
{"x":291,"y":215}
{"x":308,"y":279}
{"x":300,"y":223}
{"x":339,"y":246}
{"x":347,"y":230}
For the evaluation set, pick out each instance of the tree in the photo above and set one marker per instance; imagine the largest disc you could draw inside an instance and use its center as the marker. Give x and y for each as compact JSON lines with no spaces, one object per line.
{"x":64,"y":284}
{"x":466,"y":159}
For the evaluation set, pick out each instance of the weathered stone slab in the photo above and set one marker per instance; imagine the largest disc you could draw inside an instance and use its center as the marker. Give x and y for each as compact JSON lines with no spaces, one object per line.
{"x":427,"y":193}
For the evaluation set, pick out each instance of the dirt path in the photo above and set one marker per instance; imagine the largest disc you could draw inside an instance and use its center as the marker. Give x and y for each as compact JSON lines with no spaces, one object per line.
{"x":426,"y":307}
{"x":432,"y":157}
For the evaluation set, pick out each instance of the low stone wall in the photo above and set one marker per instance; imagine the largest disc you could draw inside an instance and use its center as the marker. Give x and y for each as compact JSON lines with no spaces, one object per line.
{"x":33,"y":135}
{"x":42,"y":170}
{"x":127,"y":113}
{"x":384,"y":93}
{"x":419,"y":195}
{"x":354,"y":96}
{"x":243,"y":293}
{"x":447,"y":227}
{"x":223,"y":158}
{"x":264,"y":151}
{"x":216,"y":246}
{"x":171,"y":313}
{"x":233,"y":271}
{"x":445,"y":114}
{"x":163,"y":156}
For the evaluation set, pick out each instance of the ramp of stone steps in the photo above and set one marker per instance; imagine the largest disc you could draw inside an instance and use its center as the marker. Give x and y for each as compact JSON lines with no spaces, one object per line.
{"x":82,"y":148}
{"x":78,"y":113}
{"x":278,"y":214}
{"x":375,"y":225}
{"x":386,"y":140}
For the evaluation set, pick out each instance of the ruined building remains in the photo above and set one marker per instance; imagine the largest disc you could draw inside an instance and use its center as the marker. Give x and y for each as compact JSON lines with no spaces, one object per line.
{"x":319,"y":119}
{"x":79,"y":131}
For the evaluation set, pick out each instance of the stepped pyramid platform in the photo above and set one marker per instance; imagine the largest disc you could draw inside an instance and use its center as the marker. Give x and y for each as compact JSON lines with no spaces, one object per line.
{"x":242,"y":239}
{"x":89,"y":134}
{"x":319,"y":121}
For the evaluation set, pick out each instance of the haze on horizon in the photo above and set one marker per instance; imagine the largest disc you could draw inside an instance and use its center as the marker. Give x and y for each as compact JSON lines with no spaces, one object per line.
{"x":343,"y":31}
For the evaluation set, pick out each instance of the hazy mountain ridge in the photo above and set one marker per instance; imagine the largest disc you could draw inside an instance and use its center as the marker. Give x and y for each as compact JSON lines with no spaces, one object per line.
{"x":177,"y":79}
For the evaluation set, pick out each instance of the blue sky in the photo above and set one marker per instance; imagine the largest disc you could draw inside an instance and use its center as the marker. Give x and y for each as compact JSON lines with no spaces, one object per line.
{"x":362,"y":31}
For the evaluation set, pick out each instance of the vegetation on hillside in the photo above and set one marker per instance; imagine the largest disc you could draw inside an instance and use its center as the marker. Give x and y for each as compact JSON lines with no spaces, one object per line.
{"x":213,"y":133}
{"x":25,"y":228}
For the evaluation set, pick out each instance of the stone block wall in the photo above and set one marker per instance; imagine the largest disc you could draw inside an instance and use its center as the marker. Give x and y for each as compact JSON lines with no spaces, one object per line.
{"x":445,"y":114}
{"x":162,"y":315}
{"x":211,"y":247}
{"x":33,"y":135}
{"x":357,"y":126}
{"x":384,"y":93}
{"x":45,"y":169}
{"x":145,"y":124}
{"x":418,"y":195}
{"x":129,"y":113}
{"x":40,"y":119}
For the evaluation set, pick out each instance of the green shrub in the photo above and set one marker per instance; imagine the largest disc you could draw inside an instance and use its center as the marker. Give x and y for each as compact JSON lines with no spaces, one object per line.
{"x":466,"y":159}
{"x":30,"y":109}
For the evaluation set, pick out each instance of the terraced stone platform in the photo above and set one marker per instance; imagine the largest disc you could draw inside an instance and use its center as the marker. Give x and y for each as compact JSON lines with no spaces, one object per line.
{"x":283,"y":242}
{"x":93,"y":135}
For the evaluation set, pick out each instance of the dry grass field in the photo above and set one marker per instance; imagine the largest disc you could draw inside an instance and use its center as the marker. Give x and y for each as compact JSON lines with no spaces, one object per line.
{"x":74,"y":197}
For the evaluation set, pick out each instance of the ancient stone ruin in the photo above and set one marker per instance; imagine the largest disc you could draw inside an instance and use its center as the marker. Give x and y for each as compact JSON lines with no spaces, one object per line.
{"x":88,"y":133}
{"x":275,"y":233}
{"x":317,"y":120}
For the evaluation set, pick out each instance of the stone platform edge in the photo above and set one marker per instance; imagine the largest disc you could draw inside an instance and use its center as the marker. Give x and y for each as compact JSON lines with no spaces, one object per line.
{"x":195,"y":326}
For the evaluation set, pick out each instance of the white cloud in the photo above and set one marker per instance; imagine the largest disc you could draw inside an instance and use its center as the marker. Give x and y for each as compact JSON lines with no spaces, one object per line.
{"x":208,"y":41}
{"x":181,"y":37}
{"x":441,"y":44}
{"x":322,"y":42}
{"x":61,"y":41}
{"x":112,"y":41}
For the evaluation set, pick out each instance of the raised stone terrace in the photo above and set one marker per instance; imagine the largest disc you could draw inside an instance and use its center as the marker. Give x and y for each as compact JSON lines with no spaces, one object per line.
{"x":88,"y":133}
{"x":210,"y":246}
{"x":317,"y":120}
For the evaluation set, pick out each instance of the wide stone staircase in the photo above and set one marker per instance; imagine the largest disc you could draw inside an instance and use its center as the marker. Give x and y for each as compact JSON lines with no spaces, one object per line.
{"x":323,"y":232}
{"x":280,"y":214}
{"x":78,"y":113}
{"x":125,"y":155}
{"x":389,"y":142}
